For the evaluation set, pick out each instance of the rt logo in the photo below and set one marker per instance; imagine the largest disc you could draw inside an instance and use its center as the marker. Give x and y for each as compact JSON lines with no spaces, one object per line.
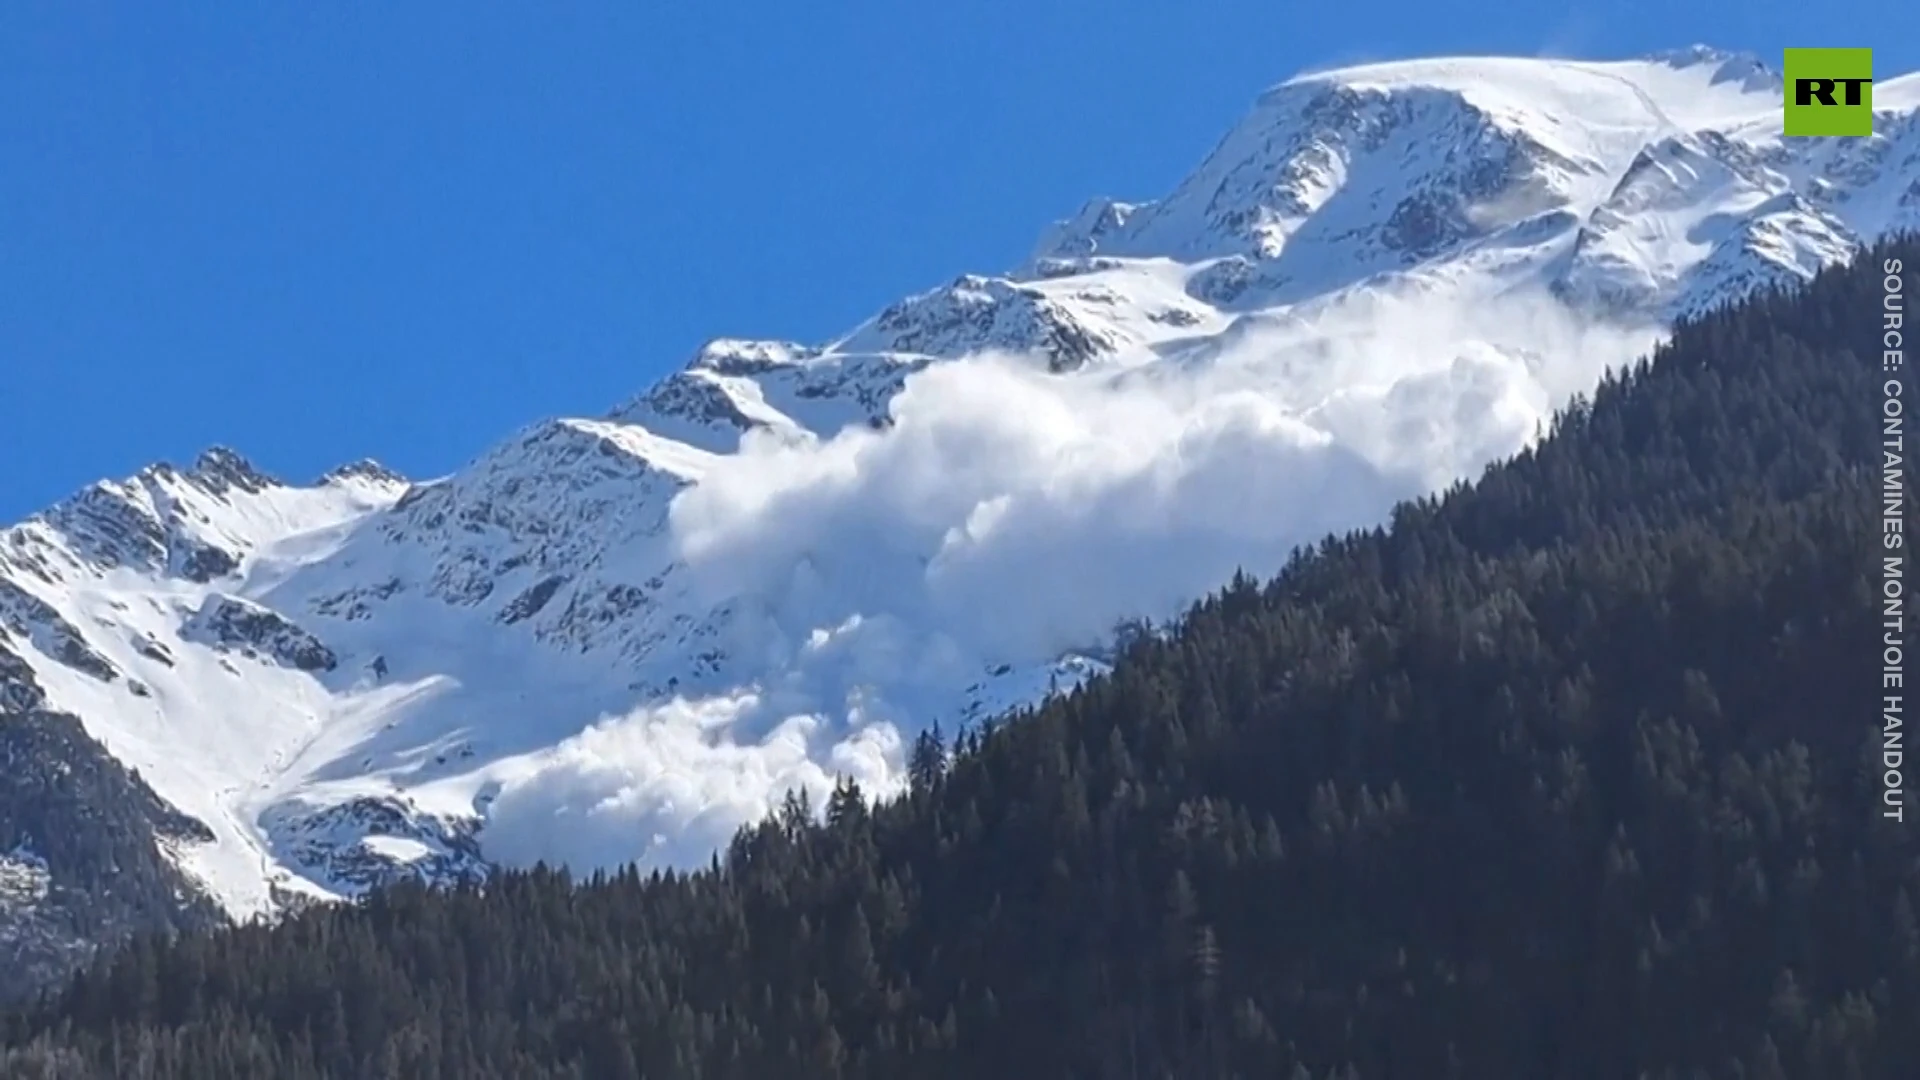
{"x":1829,"y":92}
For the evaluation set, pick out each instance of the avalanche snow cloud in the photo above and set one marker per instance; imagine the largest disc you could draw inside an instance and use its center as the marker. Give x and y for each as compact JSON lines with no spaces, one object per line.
{"x":1023,"y":514}
{"x":622,"y":637}
{"x":1016,"y":516}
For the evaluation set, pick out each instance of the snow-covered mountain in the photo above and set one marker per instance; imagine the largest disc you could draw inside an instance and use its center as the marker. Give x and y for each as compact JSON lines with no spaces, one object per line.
{"x":618,"y":638}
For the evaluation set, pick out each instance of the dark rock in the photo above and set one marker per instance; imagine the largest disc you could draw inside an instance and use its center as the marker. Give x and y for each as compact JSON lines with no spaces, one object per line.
{"x":153,"y":650}
{"x":19,"y":690}
{"x":202,"y":562}
{"x":232,"y":624}
{"x":32,"y":619}
{"x":220,"y":470}
{"x":529,"y":603}
{"x":365,"y":469}
{"x":81,"y":866}
{"x":331,"y":845}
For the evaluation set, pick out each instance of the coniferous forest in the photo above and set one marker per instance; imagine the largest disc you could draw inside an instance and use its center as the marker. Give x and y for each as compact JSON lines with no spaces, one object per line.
{"x":1571,"y":772}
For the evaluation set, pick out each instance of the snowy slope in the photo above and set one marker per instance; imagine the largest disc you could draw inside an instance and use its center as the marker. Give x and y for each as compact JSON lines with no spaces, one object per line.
{"x":619,"y":638}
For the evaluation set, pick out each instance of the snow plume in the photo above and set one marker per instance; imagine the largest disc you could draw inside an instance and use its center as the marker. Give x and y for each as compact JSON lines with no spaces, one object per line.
{"x":1009,"y":516}
{"x":667,"y":785}
{"x":1026,"y":513}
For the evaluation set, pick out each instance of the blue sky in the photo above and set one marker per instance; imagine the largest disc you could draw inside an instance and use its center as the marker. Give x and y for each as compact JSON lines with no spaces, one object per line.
{"x":318,"y":232}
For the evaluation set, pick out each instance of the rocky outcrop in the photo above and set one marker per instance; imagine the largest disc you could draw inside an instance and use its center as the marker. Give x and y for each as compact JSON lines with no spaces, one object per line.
{"x":220,"y":470}
{"x":529,"y":603}
{"x":81,"y":860}
{"x":367,"y":842}
{"x":31,"y":619}
{"x":19,"y":691}
{"x":231,"y":624}
{"x":365,"y":470}
{"x":976,"y":313}
{"x":1487,"y":175}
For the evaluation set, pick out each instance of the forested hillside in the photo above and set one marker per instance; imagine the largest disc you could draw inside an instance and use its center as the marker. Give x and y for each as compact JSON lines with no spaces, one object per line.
{"x":78,"y":862}
{"x":1568,"y":773}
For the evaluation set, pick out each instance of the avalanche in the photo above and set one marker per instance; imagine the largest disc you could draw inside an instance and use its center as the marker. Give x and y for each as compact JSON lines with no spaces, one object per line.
{"x":620,"y":638}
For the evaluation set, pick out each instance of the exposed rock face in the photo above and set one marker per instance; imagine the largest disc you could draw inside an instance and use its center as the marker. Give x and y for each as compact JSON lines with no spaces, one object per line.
{"x":202,"y":563}
{"x":231,"y":624}
{"x":160,"y":520}
{"x":368,"y":842}
{"x":82,"y":860}
{"x":19,"y":692}
{"x":34,"y":621}
{"x":221,"y":470}
{"x":330,"y":682}
{"x":358,"y":603}
{"x":529,"y":603}
{"x":975,"y":313}
{"x":1778,"y":236}
{"x":365,"y":470}
{"x":89,"y":851}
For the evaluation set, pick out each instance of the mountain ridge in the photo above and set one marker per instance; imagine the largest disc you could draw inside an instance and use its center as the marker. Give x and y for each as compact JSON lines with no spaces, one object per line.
{"x":622,"y":637}
{"x":1551,"y":776}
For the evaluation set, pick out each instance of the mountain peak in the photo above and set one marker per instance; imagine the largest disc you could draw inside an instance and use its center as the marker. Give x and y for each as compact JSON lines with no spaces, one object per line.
{"x":219,"y":468}
{"x":746,"y":356}
{"x":601,"y":633}
{"x":366,"y":469}
{"x":1080,"y":235}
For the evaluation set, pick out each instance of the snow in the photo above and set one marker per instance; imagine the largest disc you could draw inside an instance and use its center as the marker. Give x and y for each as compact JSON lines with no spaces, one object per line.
{"x":1584,"y":100}
{"x":24,"y":880}
{"x":1340,"y":141}
{"x":1899,"y":95}
{"x":621,"y":638}
{"x":214,"y":735}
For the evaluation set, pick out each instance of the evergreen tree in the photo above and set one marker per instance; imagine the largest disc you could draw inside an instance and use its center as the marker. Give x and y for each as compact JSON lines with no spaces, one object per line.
{"x":1559,"y":777}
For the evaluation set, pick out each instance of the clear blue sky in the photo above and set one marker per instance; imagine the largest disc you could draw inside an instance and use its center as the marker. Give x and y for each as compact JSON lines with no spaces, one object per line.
{"x":321,"y":231}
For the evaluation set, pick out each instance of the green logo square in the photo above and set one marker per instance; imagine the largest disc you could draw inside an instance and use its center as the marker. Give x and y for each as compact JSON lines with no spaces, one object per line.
{"x":1829,"y":91}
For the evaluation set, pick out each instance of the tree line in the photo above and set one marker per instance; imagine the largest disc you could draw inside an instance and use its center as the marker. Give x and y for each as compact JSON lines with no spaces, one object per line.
{"x":1568,"y":772}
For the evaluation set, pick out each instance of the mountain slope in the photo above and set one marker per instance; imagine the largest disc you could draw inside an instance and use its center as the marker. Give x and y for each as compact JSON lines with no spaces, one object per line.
{"x":1570,"y":774}
{"x":84,"y":845}
{"x":618,"y":638}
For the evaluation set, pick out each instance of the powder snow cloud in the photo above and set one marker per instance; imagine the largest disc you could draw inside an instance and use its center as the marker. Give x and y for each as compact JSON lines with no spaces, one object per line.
{"x":1009,"y":515}
{"x":1025,"y":513}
